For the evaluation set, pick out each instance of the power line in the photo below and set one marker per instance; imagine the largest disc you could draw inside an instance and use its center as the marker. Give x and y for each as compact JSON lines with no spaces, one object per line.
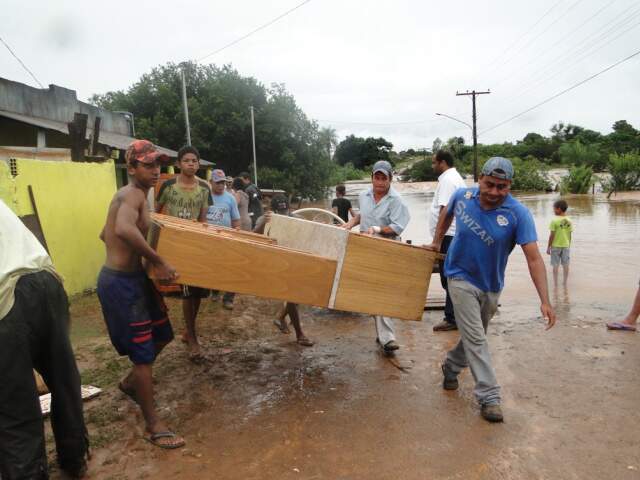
{"x":21,"y":62}
{"x":571,"y":7}
{"x":582,"y":82}
{"x":519,"y":71}
{"x":262,"y":27}
{"x":529,"y":30}
{"x":574,"y":56}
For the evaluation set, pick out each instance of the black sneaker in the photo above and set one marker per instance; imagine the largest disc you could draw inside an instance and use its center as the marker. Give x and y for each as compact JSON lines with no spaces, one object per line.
{"x":444,"y":326}
{"x":492,"y":413}
{"x":450,"y":380}
{"x":390,"y":346}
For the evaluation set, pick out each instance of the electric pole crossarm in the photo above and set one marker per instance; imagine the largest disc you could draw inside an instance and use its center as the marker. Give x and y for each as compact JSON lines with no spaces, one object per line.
{"x":473,"y":94}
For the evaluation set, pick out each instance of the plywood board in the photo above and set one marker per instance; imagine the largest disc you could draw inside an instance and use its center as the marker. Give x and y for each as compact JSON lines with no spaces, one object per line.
{"x":383,"y":277}
{"x":242,"y":266}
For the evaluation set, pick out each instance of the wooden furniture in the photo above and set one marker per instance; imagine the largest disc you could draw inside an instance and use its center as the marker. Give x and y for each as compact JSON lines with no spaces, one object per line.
{"x":374,"y":275}
{"x":300,"y":261}
{"x":231,"y":260}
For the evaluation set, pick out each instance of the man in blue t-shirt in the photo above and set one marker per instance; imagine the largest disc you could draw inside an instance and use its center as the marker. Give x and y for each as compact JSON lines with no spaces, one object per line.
{"x":489,"y":224}
{"x":224,"y":212}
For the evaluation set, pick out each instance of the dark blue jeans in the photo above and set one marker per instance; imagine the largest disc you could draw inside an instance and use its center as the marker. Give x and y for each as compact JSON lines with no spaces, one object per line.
{"x":449,"y":316}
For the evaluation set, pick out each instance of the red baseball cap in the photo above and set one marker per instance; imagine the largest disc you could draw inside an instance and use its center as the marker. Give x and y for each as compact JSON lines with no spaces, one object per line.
{"x":144,"y":151}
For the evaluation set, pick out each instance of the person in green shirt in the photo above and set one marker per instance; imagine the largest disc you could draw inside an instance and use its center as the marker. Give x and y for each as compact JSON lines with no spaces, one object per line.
{"x":561,"y":229}
{"x":187,"y":196}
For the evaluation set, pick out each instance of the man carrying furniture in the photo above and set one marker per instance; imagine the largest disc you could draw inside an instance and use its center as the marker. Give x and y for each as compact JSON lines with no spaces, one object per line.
{"x":134,"y":311}
{"x":382,"y":213}
{"x":187,"y":196}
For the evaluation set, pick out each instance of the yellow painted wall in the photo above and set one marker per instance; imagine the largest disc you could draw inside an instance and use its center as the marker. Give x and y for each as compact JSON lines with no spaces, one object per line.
{"x":72,"y":200}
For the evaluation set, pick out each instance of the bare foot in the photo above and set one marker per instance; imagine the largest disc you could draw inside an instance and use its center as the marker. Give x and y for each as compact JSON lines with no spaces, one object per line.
{"x":195,"y":355}
{"x":305,"y":342}
{"x":281,"y":323}
{"x":160,"y":436}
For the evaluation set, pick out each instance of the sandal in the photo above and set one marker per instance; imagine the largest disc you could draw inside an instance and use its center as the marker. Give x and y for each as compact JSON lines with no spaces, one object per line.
{"x":154,"y":437}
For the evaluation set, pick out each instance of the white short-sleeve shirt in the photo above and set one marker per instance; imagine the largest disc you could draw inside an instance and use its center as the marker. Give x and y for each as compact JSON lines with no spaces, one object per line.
{"x":448,"y":182}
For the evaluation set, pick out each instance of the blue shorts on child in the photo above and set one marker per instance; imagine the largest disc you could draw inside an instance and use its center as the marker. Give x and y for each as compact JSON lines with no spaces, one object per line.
{"x":135,"y":314}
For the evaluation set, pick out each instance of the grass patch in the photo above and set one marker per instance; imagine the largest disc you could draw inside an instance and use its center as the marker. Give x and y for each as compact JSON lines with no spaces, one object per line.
{"x":108,"y":374}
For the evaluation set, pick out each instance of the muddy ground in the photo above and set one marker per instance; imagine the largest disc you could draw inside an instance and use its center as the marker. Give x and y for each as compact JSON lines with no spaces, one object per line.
{"x":262,"y":407}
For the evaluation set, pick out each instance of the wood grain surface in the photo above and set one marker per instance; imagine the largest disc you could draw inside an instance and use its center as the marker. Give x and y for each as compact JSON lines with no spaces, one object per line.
{"x":244,"y":266}
{"x":206,"y":229}
{"x":383,"y":277}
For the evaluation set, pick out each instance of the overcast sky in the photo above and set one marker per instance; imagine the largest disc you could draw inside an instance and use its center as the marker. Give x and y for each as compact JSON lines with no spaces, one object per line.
{"x":368,"y":67}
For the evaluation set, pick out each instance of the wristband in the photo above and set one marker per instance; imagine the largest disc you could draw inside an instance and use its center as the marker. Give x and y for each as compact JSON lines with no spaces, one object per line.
{"x":377,"y":229}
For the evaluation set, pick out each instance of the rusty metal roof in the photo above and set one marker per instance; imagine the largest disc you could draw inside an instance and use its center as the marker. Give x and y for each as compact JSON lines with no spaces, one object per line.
{"x":106,"y":138}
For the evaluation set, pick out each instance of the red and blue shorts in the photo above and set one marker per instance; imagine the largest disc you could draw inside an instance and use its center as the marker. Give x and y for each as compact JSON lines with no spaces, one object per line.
{"x":135,"y":314}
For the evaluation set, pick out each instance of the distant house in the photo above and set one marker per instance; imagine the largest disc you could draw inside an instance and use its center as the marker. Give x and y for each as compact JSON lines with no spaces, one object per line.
{"x":34,"y":124}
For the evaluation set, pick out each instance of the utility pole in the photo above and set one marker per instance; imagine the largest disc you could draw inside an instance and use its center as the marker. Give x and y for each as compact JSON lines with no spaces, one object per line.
{"x":473,"y":94}
{"x":253,"y":138}
{"x":185,"y":107}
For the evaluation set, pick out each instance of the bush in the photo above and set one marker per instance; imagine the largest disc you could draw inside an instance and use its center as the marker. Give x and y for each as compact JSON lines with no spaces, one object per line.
{"x":342,"y":173}
{"x":625,"y":172}
{"x":530,"y":175}
{"x":579,"y":180}
{"x":575,"y":153}
{"x":422,"y":171}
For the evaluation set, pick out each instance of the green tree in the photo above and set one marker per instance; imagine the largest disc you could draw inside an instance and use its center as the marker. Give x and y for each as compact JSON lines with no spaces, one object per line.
{"x":623,"y":139}
{"x":292,"y":151}
{"x":535,"y":145}
{"x":362,"y":152}
{"x":529,"y":175}
{"x":625,"y":172}
{"x":575,"y":153}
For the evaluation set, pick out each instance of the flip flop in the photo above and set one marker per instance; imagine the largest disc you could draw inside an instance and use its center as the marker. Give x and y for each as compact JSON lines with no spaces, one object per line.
{"x":621,"y":326}
{"x":153,"y":438}
{"x":305,"y":342}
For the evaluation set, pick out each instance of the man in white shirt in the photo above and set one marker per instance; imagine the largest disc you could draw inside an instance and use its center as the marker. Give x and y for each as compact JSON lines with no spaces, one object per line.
{"x":449,"y":181}
{"x":34,"y":334}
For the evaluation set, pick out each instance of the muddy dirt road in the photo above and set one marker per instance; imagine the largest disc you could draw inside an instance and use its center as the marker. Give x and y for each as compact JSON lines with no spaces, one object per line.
{"x":262,"y":407}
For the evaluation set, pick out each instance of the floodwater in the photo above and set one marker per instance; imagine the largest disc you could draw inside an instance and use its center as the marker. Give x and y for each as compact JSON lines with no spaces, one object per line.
{"x":262,"y":407}
{"x":605,"y":260}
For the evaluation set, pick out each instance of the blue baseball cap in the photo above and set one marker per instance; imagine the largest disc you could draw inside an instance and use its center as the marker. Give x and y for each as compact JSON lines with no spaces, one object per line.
{"x":382,"y":166}
{"x":498,"y":167}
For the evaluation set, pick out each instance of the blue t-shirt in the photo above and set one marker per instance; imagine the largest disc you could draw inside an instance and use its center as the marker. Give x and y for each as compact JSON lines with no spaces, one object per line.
{"x":223,"y":210}
{"x":485,"y":238}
